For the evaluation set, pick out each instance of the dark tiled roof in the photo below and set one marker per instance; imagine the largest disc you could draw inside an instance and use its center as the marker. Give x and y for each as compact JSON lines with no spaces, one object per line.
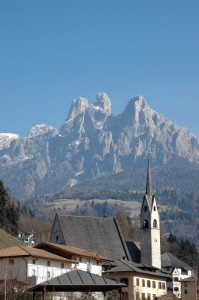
{"x":128,"y":266}
{"x":95,"y":234}
{"x":77,"y":280}
{"x":169,"y":260}
{"x":134,"y":251}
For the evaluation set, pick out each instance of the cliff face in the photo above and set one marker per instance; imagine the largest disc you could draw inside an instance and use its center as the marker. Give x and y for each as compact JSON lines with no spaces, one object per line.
{"x":92,"y":142}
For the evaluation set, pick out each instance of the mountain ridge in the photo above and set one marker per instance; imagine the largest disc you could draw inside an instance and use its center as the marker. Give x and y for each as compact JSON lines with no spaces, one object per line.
{"x":93,"y":142}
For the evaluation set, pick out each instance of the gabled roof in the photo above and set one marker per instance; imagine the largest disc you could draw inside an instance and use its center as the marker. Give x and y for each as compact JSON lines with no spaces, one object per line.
{"x":169,"y":260}
{"x":66,"y":251}
{"x":95,"y":234}
{"x":129,"y":266}
{"x":77,"y":280}
{"x":26,"y":251}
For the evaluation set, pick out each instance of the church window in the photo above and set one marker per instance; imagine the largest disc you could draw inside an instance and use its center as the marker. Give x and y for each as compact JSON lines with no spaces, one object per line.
{"x":148,"y":283}
{"x":146,"y":224}
{"x":145,"y":208}
{"x":154,"y":223}
{"x":154,"y":208}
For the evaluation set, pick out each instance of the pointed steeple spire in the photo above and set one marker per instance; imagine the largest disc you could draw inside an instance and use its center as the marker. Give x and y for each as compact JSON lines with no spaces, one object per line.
{"x":149,"y":189}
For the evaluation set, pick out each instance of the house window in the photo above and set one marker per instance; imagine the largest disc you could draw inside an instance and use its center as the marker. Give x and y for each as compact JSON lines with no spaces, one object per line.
{"x":143,"y":282}
{"x":148,"y":283}
{"x":137,"y":282}
{"x":159,"y":285}
{"x":33,"y":261}
{"x":175,"y":278}
{"x":148,"y":296}
{"x":124,"y":280}
{"x":11,"y":261}
{"x":143,"y":296}
{"x":176,"y":289}
{"x":33,"y":272}
{"x":48,"y":274}
{"x":48,"y":263}
{"x":153,"y":285}
{"x":163,"y":286}
{"x":185,"y":291}
{"x":154,"y":297}
{"x":137,"y":296}
{"x":80,"y":259}
{"x":62,"y":265}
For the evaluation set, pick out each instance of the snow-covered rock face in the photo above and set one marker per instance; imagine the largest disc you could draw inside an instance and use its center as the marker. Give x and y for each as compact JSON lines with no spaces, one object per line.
{"x":41,"y":130}
{"x":7,"y":138}
{"x":90,"y":143}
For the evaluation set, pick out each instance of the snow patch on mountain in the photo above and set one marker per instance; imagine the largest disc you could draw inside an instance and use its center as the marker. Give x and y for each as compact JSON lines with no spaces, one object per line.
{"x":41,"y":130}
{"x":7,"y":138}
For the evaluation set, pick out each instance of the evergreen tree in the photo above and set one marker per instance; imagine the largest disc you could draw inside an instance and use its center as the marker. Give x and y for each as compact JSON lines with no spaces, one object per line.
{"x":9,"y":211}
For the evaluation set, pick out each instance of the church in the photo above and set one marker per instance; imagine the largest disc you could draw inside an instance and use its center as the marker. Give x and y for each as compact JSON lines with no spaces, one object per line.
{"x":147,"y":273}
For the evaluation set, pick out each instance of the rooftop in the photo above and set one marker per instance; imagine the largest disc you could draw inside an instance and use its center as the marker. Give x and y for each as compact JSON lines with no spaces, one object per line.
{"x":25,"y":251}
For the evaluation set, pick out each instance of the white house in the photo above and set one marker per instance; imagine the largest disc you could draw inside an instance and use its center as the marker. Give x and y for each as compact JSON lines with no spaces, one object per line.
{"x":178,"y":270}
{"x":31,"y":266}
{"x":84,"y":260}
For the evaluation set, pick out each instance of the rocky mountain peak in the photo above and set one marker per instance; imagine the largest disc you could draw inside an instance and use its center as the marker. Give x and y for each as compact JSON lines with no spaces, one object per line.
{"x":136,"y":104}
{"x":104,"y":102}
{"x":41,"y":130}
{"x":78,"y":106}
{"x":92,"y":142}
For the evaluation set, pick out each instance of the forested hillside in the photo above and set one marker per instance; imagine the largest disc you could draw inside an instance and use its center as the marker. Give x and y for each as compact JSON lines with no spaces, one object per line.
{"x":15,"y":218}
{"x":179,"y":210}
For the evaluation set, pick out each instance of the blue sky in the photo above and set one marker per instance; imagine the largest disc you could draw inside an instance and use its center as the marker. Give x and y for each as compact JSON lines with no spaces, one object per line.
{"x":54,"y":51}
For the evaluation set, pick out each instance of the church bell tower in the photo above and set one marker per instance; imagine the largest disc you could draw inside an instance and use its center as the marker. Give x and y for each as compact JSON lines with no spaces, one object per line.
{"x":150,"y":226}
